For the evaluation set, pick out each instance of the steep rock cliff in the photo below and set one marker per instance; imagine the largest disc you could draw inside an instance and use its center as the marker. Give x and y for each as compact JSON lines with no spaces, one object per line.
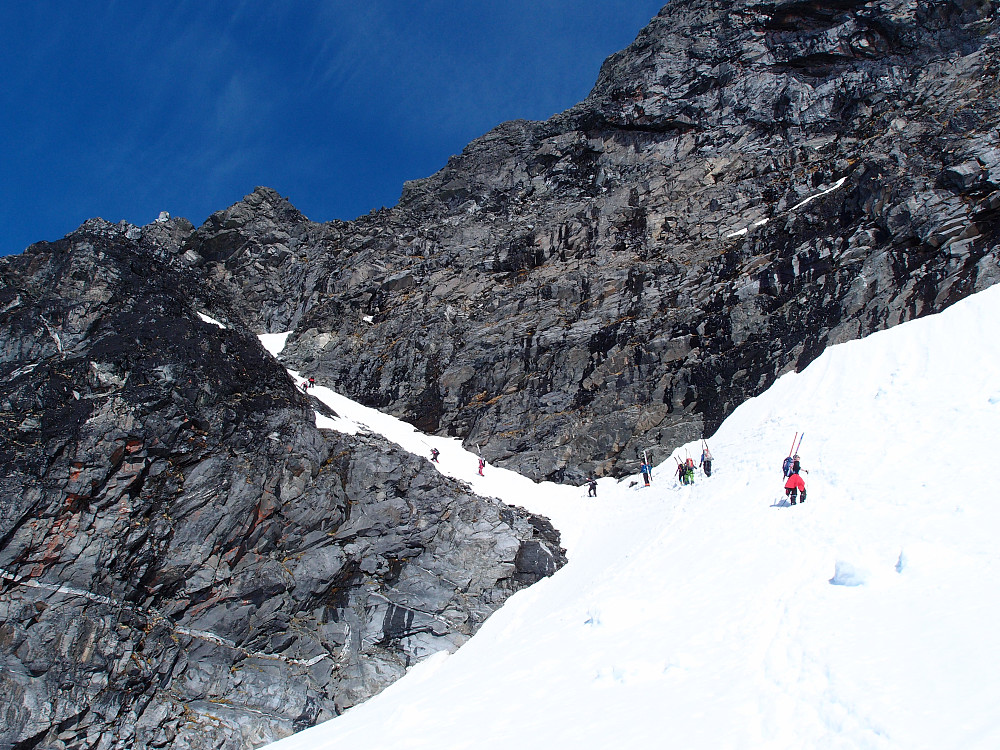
{"x":187,"y":562}
{"x":747,"y":183}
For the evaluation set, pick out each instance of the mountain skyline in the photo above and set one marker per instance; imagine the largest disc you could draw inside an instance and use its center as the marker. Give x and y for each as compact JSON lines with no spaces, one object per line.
{"x":122,"y":112}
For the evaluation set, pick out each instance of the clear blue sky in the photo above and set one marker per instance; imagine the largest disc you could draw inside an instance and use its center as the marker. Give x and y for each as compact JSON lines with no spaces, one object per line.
{"x":123,"y":109}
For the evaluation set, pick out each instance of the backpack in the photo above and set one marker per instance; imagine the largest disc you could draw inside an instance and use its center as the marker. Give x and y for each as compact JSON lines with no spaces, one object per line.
{"x":786,"y":466}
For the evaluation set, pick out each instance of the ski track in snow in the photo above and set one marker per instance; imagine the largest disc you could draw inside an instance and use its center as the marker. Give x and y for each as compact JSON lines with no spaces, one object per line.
{"x":717,"y":616}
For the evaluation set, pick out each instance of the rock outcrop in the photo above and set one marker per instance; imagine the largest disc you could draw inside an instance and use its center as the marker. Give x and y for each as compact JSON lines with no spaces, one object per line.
{"x":185,"y":560}
{"x":188,"y":563}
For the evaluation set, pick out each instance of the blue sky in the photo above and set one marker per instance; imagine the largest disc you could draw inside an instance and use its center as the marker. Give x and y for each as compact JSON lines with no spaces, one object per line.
{"x":123,"y":109}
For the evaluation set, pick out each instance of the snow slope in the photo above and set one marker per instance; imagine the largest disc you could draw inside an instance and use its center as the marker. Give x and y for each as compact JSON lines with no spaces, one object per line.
{"x":715,"y":615}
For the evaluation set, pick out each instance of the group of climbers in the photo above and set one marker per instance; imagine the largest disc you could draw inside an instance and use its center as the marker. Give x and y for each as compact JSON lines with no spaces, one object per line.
{"x":795,"y":488}
{"x":435,"y":453}
{"x":686,"y":468}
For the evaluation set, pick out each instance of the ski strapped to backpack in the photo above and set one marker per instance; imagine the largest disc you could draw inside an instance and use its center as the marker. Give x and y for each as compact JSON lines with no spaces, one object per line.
{"x":786,"y":465}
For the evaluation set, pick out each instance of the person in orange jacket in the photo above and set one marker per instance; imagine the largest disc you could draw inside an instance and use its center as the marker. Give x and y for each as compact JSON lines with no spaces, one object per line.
{"x":794,"y":485}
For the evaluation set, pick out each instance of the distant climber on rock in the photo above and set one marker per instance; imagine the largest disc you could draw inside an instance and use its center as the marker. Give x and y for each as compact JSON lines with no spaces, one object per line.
{"x":434,"y":455}
{"x":312,"y":382}
{"x":794,"y":485}
{"x":592,"y":487}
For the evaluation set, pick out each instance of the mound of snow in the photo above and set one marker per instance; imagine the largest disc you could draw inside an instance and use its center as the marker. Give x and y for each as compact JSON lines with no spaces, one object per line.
{"x":716,"y":615}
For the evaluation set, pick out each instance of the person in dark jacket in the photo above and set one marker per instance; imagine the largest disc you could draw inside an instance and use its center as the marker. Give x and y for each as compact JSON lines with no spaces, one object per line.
{"x":434,"y":455}
{"x":706,"y":462}
{"x":794,"y":485}
{"x":592,"y":487}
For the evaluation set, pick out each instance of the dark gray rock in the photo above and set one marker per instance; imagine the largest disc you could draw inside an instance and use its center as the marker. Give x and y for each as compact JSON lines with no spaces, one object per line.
{"x":746,"y":184}
{"x":185,"y":560}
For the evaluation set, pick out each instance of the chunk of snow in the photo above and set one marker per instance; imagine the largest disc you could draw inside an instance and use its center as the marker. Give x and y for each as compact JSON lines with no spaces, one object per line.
{"x":847,"y":574}
{"x":210,"y":319}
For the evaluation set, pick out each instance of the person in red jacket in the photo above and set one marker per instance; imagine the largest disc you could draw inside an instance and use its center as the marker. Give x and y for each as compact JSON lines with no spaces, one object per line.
{"x":793,"y":486}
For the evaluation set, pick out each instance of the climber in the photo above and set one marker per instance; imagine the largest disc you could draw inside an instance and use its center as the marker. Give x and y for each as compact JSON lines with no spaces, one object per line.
{"x":434,"y":455}
{"x":706,"y":462}
{"x":647,"y":472}
{"x":689,"y":469}
{"x":681,"y":473}
{"x":592,"y":485}
{"x":482,"y":465}
{"x":794,"y":485}
{"x":311,"y":383}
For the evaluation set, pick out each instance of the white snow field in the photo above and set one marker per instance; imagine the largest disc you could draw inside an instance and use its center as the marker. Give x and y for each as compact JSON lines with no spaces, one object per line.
{"x":718,"y":616}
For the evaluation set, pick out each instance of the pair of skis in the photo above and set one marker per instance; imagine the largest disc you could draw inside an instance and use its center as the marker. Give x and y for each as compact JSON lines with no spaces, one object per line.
{"x":795,"y":448}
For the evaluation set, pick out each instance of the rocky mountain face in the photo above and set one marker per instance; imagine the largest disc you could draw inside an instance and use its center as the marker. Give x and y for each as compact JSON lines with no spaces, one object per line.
{"x":747,"y":183}
{"x":186,"y":561}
